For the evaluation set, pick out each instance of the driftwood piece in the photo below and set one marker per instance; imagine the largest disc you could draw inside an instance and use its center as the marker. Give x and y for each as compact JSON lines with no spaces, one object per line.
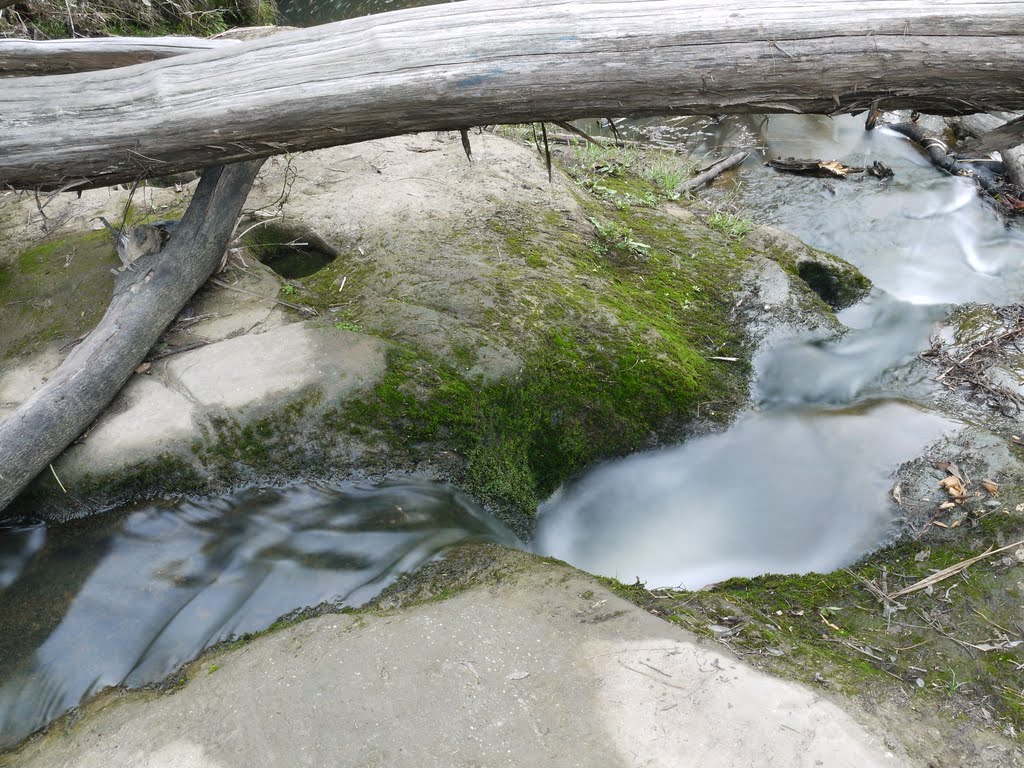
{"x":830,"y":169}
{"x":713,"y":171}
{"x":21,"y":58}
{"x":979,"y":127}
{"x":477,"y":62}
{"x":146,"y":299}
{"x":1009,"y":134}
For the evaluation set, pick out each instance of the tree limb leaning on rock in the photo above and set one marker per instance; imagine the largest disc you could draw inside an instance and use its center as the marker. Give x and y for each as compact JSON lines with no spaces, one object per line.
{"x":145,"y":302}
{"x":982,"y":128}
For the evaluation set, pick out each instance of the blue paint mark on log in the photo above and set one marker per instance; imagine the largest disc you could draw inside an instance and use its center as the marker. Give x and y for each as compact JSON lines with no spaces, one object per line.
{"x":469,"y":82}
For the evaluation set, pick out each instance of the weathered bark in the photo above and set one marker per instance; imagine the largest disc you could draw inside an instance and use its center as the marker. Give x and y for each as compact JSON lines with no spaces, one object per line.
{"x":1009,"y":134}
{"x":444,"y":67}
{"x":20,"y":58}
{"x":146,"y":299}
{"x":979,"y":127}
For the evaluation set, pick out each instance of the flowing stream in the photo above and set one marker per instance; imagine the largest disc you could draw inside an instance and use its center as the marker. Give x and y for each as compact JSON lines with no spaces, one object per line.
{"x":797,"y":484}
{"x":126,"y":598}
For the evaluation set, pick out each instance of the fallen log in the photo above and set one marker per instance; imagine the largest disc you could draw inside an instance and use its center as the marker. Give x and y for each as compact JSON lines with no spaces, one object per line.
{"x":829,"y":169}
{"x":475,"y":62}
{"x":147,"y":297}
{"x":978,"y":127}
{"x":989,"y":174}
{"x":21,"y":58}
{"x":1009,"y":134}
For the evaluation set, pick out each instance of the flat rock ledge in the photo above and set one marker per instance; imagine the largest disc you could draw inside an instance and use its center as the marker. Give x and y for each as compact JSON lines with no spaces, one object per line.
{"x":166,"y":410}
{"x":537,"y":665}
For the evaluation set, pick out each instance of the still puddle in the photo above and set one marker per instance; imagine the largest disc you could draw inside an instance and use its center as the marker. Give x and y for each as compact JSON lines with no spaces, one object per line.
{"x":125,"y":599}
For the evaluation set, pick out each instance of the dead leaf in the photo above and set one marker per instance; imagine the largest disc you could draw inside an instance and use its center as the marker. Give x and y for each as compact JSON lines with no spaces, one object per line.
{"x":991,"y":486}
{"x":939,"y":524}
{"x":897,"y":493}
{"x":947,"y":505}
{"x":144,"y":368}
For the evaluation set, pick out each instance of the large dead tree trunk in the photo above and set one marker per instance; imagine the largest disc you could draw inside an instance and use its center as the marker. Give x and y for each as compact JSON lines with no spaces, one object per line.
{"x":488,"y":61}
{"x":146,"y":299}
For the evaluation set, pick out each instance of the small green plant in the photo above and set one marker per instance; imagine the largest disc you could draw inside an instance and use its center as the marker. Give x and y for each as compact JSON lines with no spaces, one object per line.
{"x":618,"y":239}
{"x":666,"y":174}
{"x":288,"y":289}
{"x":213,"y":668}
{"x":950,"y":686}
{"x":347,"y":326}
{"x":732,"y":225}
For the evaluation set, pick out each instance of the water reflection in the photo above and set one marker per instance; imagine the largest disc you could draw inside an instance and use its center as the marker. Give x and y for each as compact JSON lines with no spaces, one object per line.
{"x":305,"y":13}
{"x":784,"y":491}
{"x":125,"y":599}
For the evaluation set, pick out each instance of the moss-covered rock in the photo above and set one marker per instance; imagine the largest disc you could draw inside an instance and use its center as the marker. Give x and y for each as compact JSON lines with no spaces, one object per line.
{"x":533,"y":328}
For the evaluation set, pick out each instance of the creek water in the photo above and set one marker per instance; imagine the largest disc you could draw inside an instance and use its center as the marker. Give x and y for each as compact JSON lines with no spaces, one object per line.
{"x":797,"y":484}
{"x":125,"y":598}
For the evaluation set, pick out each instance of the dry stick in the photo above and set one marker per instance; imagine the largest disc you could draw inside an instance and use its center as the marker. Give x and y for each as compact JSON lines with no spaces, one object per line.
{"x":603,"y":141}
{"x":952,"y":570}
{"x":991,"y":343}
{"x":305,"y":310}
{"x":713,"y":172}
{"x":573,"y":129}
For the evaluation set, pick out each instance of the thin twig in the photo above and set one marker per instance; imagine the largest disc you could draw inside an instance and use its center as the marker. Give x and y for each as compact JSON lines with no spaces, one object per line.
{"x":58,"y":479}
{"x":952,"y":570}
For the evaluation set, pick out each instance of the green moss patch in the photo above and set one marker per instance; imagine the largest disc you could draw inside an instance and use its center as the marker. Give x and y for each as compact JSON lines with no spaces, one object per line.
{"x":56,"y":290}
{"x":957,"y":646}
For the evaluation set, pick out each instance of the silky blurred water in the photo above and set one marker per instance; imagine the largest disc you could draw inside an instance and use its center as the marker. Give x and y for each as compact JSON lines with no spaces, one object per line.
{"x":800,"y":484}
{"x":126,"y":598}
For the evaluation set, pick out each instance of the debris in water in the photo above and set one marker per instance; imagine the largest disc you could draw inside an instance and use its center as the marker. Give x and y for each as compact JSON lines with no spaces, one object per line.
{"x":880,"y":170}
{"x":832,"y":169}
